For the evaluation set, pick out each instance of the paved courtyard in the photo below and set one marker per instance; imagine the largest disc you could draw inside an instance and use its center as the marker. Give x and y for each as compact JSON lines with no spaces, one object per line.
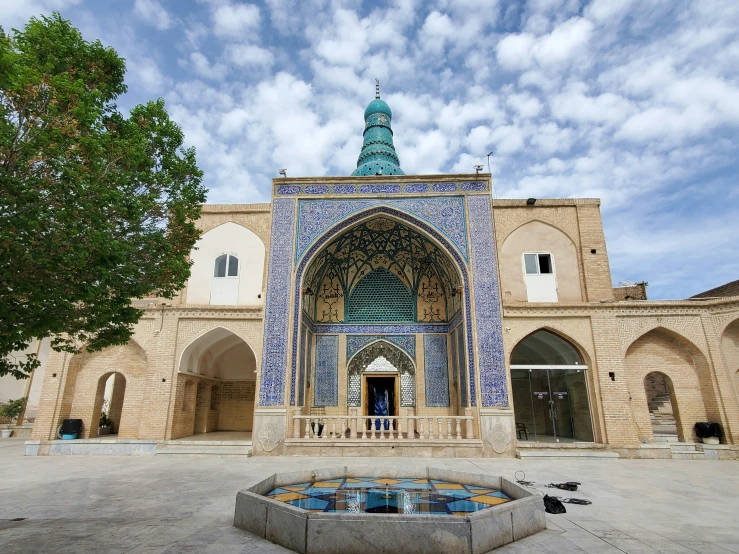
{"x":115,"y":505}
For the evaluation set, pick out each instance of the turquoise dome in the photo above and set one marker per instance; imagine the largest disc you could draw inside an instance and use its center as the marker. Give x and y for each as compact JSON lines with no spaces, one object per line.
{"x":378,"y":106}
{"x":378,"y":155}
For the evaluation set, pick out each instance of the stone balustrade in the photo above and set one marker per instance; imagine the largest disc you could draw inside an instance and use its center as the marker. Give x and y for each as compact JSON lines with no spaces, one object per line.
{"x":361,"y":427}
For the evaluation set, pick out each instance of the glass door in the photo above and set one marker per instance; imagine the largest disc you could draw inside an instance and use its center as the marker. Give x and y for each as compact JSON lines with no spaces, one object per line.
{"x":551,"y":405}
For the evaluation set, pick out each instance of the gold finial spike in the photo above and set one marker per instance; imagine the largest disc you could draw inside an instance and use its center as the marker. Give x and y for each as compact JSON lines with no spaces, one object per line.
{"x":377,"y":88}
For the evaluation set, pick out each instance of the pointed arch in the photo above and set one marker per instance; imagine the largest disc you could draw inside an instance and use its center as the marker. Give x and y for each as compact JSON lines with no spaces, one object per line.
{"x":537,"y":236}
{"x":545,"y":346}
{"x":232,"y":239}
{"x":395,"y":357}
{"x":344,"y":225}
{"x":672,"y":354}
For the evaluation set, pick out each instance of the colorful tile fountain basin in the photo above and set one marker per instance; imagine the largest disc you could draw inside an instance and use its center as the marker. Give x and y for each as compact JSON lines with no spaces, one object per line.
{"x":284,"y":508}
{"x":389,"y":496}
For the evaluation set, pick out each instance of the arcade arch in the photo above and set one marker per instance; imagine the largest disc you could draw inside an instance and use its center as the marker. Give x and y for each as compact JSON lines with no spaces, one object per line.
{"x":550,"y":389}
{"x":688,"y":380}
{"x":124,"y":367}
{"x":730,"y":349}
{"x":215,"y":389}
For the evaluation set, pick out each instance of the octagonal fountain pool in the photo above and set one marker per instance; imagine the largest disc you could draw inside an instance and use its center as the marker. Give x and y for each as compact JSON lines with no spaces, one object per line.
{"x":389,"y":510}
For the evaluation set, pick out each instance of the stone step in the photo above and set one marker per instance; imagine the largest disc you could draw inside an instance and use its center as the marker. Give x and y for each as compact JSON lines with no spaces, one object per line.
{"x":550,"y":453}
{"x":683,"y":446}
{"x":665,"y":438}
{"x":204,"y":449}
{"x":684,"y":455}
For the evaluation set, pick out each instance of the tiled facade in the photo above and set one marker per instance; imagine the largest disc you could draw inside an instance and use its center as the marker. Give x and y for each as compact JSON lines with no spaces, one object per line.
{"x":695,"y":343}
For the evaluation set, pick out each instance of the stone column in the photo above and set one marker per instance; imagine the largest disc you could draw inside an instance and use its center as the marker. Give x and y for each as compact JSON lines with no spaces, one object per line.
{"x":353,"y":422}
{"x":497,"y":430}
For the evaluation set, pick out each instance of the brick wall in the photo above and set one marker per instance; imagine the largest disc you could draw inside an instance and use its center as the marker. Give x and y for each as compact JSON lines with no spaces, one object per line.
{"x":237,"y":406}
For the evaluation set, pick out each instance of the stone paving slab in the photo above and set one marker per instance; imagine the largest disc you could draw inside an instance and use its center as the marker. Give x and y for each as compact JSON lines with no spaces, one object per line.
{"x":162,"y":504}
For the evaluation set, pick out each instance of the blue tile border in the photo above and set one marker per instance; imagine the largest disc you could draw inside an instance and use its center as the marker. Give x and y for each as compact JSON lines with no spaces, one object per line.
{"x":277,"y":309}
{"x":491,"y":357}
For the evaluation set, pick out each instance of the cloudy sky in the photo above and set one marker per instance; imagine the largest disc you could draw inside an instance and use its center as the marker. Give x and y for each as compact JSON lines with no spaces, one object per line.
{"x":635,"y":102}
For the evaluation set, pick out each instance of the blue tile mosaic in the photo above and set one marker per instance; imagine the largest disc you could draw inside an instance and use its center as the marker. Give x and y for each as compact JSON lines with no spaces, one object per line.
{"x":474,"y":186}
{"x":316,"y":189}
{"x":277,"y":310}
{"x":345,"y":189}
{"x":436,"y":371}
{"x":326,"y":373}
{"x":288,"y":189}
{"x":445,"y":187}
{"x":463,"y":391}
{"x":417,"y":187}
{"x":491,"y":359}
{"x":380,"y":329}
{"x":407,"y":343}
{"x":379,"y":189}
{"x":305,"y":363}
{"x":445,"y":214}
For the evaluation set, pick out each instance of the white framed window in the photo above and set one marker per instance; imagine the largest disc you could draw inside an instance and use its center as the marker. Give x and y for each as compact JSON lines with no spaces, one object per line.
{"x":227,"y":265}
{"x":538,"y":264}
{"x":539,"y":277}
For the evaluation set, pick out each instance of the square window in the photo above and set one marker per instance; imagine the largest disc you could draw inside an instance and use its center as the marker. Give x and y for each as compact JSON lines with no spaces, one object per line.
{"x":530,"y":261}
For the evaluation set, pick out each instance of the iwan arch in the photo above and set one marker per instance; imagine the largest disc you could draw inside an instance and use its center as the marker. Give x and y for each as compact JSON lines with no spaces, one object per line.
{"x":386,"y":314}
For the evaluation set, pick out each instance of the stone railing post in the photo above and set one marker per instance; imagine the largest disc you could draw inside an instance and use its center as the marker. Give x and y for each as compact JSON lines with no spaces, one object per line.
{"x":296,"y":422}
{"x":468,"y":430}
{"x":352,"y":423}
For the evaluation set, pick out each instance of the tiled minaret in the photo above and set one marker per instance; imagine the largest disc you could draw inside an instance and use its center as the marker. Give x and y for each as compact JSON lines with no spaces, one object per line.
{"x":378,"y":155}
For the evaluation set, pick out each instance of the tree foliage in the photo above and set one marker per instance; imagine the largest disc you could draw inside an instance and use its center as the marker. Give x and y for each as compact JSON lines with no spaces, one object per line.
{"x":96,"y":207}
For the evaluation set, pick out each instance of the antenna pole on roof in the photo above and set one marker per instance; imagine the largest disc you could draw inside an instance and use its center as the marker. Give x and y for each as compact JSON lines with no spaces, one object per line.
{"x":377,"y":88}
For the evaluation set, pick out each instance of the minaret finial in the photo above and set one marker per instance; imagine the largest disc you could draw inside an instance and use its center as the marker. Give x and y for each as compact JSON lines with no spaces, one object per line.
{"x":377,"y":88}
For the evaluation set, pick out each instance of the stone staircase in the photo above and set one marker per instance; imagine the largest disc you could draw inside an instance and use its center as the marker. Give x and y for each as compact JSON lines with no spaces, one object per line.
{"x":686,"y":451}
{"x":664,"y":426}
{"x":209,"y":448}
{"x":562,"y":451}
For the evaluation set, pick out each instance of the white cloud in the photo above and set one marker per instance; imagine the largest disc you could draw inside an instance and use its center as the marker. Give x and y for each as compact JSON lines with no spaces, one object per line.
{"x":244,"y":55}
{"x":238,"y":21}
{"x":519,"y":50}
{"x":153,"y":13}
{"x":16,"y":13}
{"x":202,"y":67}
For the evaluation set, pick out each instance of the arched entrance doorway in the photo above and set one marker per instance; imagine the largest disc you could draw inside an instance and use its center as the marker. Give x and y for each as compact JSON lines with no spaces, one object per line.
{"x":381,"y":380}
{"x":550,"y":390}
{"x":662,"y":410}
{"x":216,"y":385}
{"x":383,"y":281}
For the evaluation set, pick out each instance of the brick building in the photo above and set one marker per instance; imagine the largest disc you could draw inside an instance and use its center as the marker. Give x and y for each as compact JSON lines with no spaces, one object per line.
{"x":390,"y":314}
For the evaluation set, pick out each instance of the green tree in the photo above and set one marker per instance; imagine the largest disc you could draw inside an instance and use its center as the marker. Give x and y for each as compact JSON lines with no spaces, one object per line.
{"x":96,"y":207}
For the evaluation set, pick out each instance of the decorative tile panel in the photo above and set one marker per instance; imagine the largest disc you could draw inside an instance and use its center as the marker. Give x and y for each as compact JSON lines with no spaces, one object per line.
{"x":382,"y":329}
{"x":379,"y":329}
{"x":326,"y":374}
{"x":491,"y":359}
{"x":354,"y":343}
{"x":379,"y":189}
{"x":288,"y":189}
{"x":303,"y":353}
{"x":474,"y":186}
{"x":316,"y":189}
{"x":277,"y":310}
{"x":445,"y":187}
{"x":445,"y":214}
{"x":436,"y":371}
{"x":417,"y":187}
{"x":460,"y":363}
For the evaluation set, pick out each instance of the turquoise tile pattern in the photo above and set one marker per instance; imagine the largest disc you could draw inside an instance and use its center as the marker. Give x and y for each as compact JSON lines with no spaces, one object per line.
{"x":389,"y":496}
